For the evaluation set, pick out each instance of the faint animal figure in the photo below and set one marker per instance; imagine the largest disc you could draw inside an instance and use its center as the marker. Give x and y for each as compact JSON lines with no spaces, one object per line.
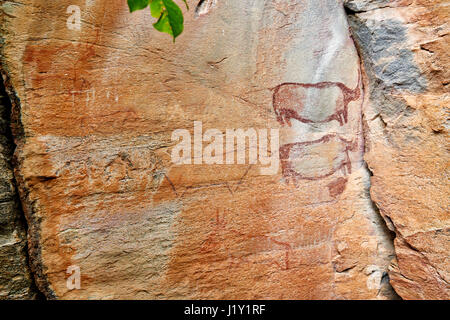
{"x":248,"y":247}
{"x":318,"y":159}
{"x":310,"y":102}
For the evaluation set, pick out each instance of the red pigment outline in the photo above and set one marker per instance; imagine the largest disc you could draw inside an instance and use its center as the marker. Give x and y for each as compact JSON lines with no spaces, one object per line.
{"x":341,"y":115}
{"x":289,"y":172}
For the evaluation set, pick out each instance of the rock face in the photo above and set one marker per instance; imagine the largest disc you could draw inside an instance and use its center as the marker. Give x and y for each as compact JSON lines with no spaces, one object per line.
{"x":405,"y":47}
{"x":15,"y":278}
{"x":126,"y":162}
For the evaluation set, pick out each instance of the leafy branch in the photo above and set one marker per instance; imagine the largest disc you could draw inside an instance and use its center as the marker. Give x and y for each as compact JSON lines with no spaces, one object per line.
{"x":169,"y":14}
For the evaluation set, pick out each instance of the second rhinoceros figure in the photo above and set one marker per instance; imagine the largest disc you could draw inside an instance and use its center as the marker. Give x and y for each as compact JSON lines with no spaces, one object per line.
{"x":318,"y":159}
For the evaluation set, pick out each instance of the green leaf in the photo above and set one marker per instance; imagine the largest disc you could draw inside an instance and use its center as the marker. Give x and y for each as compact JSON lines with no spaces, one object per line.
{"x":156,"y":8}
{"x":175,"y":17}
{"x":137,"y":4}
{"x":169,"y":14}
{"x":163,"y":24}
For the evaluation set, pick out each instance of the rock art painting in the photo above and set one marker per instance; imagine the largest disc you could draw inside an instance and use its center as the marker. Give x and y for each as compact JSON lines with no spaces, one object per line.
{"x":314,"y":102}
{"x":296,"y":156}
{"x":317,"y":103}
{"x":94,"y":114}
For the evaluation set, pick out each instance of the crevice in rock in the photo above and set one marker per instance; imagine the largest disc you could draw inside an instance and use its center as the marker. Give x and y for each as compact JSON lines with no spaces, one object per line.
{"x":11,"y":119}
{"x":387,"y":230}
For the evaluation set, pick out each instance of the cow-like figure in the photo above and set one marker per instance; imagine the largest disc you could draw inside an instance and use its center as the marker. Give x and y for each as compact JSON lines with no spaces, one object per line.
{"x":318,"y":159}
{"x":310,"y":102}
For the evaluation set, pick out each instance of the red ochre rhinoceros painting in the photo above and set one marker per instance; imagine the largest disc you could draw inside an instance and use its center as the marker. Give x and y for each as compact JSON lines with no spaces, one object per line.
{"x":321,"y":158}
{"x":309,"y":102}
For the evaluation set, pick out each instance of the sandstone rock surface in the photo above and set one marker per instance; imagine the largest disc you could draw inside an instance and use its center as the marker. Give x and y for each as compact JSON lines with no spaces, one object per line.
{"x":95,"y":111}
{"x":15,"y":278}
{"x":404,"y":45}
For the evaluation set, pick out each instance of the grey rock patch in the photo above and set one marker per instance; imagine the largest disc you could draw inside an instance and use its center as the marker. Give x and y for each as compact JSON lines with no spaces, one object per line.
{"x":386,"y":56}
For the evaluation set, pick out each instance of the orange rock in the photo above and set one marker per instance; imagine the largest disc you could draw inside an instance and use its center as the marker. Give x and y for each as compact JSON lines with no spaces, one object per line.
{"x":405,"y":52}
{"x":97,"y":110}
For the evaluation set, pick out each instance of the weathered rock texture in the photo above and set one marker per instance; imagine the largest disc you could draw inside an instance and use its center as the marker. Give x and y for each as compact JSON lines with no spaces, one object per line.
{"x":405,"y":47}
{"x":93,"y":120}
{"x":15,"y":278}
